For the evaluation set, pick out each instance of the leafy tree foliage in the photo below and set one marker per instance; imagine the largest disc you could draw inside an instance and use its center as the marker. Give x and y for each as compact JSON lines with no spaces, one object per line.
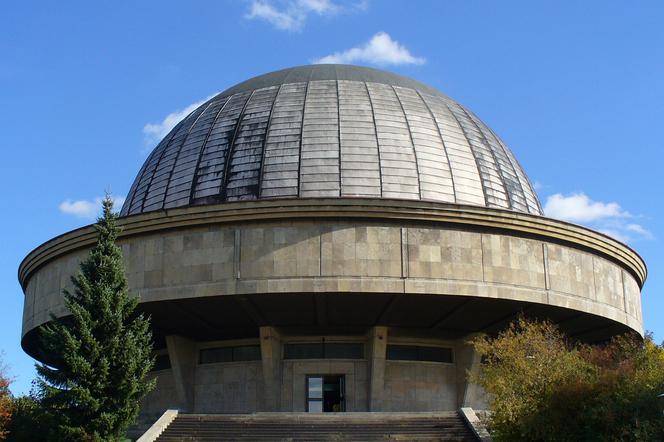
{"x":31,"y":422}
{"x":6,"y":406}
{"x":102,"y":354}
{"x":543,"y":388}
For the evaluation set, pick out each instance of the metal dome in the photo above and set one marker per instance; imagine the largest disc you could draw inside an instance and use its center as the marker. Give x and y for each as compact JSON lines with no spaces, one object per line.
{"x":331,"y":131}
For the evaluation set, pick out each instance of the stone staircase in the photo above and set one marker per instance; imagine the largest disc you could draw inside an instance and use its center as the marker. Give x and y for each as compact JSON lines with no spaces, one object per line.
{"x":420,"y":427}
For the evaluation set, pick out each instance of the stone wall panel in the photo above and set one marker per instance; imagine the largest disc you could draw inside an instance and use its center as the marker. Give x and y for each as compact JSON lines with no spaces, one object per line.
{"x":608,"y":283}
{"x":446,"y":254}
{"x":513,"y":260}
{"x":350,"y":250}
{"x":570,"y":271}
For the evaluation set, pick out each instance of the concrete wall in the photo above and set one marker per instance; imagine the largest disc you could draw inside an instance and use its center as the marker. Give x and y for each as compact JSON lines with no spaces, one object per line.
{"x":238,"y":387}
{"x":419,"y":386}
{"x":232,"y":387}
{"x":163,"y":397}
{"x":358,"y":256}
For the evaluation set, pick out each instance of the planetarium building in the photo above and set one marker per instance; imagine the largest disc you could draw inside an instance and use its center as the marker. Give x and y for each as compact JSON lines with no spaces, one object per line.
{"x":327,"y":238}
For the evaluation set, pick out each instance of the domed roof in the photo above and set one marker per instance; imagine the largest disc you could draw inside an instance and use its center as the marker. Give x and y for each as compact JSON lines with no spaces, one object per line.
{"x":322,"y":131}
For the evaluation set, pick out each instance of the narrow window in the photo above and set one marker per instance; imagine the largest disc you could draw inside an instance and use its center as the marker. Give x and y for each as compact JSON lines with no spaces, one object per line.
{"x":324,"y":350}
{"x":419,"y":353}
{"x":230,"y":354}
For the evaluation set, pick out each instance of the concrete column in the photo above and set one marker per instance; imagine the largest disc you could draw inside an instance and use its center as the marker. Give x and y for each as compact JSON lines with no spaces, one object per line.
{"x":468,"y":362}
{"x":271,"y":358}
{"x":183,"y":355}
{"x":378,"y":349}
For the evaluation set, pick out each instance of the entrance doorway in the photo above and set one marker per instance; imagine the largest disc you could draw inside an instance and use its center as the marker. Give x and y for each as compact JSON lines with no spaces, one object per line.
{"x":326,"y":394}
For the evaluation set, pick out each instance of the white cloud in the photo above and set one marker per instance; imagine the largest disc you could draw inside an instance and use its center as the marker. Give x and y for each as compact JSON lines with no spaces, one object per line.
{"x":379,"y":50}
{"x":579,"y":208}
{"x":279,"y":19}
{"x":154,"y":132}
{"x":608,"y":218}
{"x":639,"y":229}
{"x":318,"y":6}
{"x":88,"y":209}
{"x":291,"y":15}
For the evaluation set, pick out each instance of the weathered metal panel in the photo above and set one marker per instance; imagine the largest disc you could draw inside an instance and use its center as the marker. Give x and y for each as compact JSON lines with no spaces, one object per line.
{"x":331,"y":131}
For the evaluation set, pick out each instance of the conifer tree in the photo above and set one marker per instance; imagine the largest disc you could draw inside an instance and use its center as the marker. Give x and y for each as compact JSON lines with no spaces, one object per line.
{"x":102,"y":353}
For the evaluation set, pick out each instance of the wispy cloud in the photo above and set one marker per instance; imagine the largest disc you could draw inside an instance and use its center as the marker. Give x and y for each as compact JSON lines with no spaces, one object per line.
{"x":154,"y":132}
{"x":88,"y":209}
{"x":609,"y":218}
{"x":640,"y":230}
{"x":380,"y":50}
{"x":291,"y":15}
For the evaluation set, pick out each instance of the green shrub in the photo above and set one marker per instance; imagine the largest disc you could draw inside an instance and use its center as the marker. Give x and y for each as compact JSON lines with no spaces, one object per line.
{"x":541,"y":387}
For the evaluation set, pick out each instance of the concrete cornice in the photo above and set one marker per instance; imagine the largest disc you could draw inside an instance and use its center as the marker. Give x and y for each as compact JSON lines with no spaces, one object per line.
{"x":316,"y":208}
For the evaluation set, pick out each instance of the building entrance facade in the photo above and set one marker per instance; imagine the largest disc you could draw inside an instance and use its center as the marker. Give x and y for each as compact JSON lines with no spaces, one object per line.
{"x":326,"y":393}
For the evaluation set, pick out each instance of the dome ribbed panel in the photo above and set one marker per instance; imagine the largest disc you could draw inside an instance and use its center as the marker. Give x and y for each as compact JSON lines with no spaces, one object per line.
{"x":244,"y":167}
{"x":210,"y":173}
{"x":432,"y":163}
{"x":281,"y":163}
{"x":465,"y":174}
{"x":495,"y":192}
{"x":360,"y":162}
{"x":333,"y":131}
{"x":507,"y":171}
{"x":154,"y":198}
{"x":528,"y":192}
{"x":134,"y":201}
{"x":319,"y":156}
{"x":178,"y":191}
{"x":132,"y":190}
{"x":398,"y":164}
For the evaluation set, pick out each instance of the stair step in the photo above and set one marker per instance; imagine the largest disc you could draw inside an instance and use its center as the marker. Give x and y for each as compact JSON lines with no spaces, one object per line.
{"x":300,"y":427}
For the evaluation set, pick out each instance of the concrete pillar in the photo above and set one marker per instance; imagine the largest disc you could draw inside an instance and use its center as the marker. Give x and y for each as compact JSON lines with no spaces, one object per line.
{"x":468,"y":362}
{"x":377,"y":349}
{"x":183,"y":355}
{"x":271,"y":359}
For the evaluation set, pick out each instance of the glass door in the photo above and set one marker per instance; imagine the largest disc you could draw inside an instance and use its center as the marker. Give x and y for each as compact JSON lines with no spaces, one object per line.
{"x":326,"y":394}
{"x":315,"y":394}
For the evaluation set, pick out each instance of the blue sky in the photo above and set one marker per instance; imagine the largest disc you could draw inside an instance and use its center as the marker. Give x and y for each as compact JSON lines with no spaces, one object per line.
{"x":576,"y":89}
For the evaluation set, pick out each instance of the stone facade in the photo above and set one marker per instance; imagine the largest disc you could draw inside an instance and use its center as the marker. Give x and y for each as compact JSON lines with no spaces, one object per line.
{"x":372,"y":383}
{"x":360,"y":257}
{"x":266,"y":275}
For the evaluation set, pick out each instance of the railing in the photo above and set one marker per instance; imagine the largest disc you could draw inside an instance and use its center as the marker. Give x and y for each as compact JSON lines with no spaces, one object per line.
{"x":159,"y":426}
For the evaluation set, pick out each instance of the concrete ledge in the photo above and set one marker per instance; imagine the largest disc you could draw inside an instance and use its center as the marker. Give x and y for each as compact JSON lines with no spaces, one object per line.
{"x":159,"y":426}
{"x":190,"y":254}
{"x":475,"y":424}
{"x":290,"y":209}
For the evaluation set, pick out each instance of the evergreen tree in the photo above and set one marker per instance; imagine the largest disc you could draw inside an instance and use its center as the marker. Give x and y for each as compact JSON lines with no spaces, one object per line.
{"x":102,"y":353}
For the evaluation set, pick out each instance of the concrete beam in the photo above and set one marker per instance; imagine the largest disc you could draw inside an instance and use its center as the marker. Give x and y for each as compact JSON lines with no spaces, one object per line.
{"x":378,"y":350}
{"x":271,"y":359}
{"x":468,"y":364}
{"x":183,"y":355}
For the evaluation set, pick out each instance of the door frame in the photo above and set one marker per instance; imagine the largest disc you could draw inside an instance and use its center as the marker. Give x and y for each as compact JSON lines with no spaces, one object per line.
{"x":342,"y":388}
